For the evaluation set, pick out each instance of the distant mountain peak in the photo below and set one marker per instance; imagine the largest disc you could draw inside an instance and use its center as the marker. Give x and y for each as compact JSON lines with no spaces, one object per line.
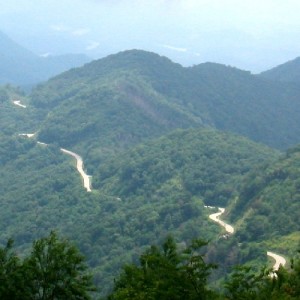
{"x":20,"y":66}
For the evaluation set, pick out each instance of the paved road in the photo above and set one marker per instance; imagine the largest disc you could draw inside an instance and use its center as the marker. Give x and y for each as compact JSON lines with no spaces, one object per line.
{"x":18,"y":103}
{"x":215,"y":218}
{"x":29,"y":135}
{"x":279,"y":260}
{"x":79,"y":162}
{"x":86,"y":178}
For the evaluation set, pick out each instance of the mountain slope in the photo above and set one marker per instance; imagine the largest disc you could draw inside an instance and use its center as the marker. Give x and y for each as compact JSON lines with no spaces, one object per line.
{"x":268,"y":204}
{"x":205,"y":95}
{"x":15,"y":119}
{"x":287,"y":72}
{"x":102,"y":115}
{"x":19,"y":66}
{"x":137,"y":200}
{"x":202,"y":162}
{"x":148,"y":180}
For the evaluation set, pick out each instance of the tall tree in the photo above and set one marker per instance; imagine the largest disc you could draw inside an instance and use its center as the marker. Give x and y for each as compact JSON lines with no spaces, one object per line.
{"x":13,"y":283}
{"x":56,"y":270}
{"x":166,"y":273}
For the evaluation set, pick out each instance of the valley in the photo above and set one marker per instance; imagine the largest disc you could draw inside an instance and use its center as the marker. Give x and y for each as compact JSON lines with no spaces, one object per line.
{"x":279,"y":260}
{"x":163,"y":144}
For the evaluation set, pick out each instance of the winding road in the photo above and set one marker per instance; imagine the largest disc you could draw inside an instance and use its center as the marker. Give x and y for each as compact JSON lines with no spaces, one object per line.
{"x":279,"y":260}
{"x":29,"y":135}
{"x":86,"y":178}
{"x":79,"y":162}
{"x":215,"y":218}
{"x":18,"y":103}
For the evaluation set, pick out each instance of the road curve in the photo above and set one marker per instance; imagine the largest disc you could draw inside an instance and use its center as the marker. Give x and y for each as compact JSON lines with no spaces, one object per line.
{"x":86,"y":178}
{"x":215,"y":218}
{"x":279,"y":260}
{"x":28,"y":135}
{"x":79,"y":164}
{"x":18,"y":103}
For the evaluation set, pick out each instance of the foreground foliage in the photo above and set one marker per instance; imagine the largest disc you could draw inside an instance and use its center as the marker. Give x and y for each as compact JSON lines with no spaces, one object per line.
{"x":170,"y":273}
{"x":246,"y":284}
{"x":54,"y":270}
{"x":166,"y":273}
{"x":269,"y":200}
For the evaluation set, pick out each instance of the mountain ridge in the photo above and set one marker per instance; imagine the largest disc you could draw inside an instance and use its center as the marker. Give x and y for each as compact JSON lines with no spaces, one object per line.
{"x":146,"y":129}
{"x":286,"y":72}
{"x":213,"y":95}
{"x":19,"y":66}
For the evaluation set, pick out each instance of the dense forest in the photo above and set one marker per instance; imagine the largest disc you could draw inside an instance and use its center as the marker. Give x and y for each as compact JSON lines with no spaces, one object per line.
{"x":287,"y":72}
{"x":165,"y":95}
{"x":165,"y":147}
{"x":270,"y":193}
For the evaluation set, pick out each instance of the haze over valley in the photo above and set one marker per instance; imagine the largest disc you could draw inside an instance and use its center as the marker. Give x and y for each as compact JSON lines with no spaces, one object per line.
{"x":170,"y":178}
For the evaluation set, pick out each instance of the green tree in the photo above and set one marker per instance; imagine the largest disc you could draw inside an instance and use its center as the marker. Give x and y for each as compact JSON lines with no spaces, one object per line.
{"x":165,"y":274}
{"x":12,"y":281}
{"x":245,"y":284}
{"x":287,"y":284}
{"x":56,"y":270}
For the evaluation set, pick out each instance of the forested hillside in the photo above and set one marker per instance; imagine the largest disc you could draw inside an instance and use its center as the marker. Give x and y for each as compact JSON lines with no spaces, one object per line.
{"x":137,"y":200}
{"x":268,"y":202}
{"x":161,"y":143}
{"x":118,"y":92}
{"x":203,"y":163}
{"x":15,"y":119}
{"x":111,"y":115}
{"x":286,"y":72}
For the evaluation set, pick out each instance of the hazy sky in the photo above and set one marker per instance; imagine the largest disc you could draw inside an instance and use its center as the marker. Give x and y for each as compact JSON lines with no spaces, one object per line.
{"x":253,"y":35}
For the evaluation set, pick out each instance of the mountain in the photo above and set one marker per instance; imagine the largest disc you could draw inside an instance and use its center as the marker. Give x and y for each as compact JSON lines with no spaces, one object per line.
{"x":148,"y":192}
{"x":20,"y":66}
{"x":160,"y":141}
{"x":13,"y":118}
{"x":124,"y":98}
{"x":287,"y":72}
{"x":201,"y":162}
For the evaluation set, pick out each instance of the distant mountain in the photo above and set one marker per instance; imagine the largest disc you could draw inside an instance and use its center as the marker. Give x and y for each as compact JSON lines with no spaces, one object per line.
{"x":287,"y":72}
{"x":125,"y":98}
{"x":19,"y":66}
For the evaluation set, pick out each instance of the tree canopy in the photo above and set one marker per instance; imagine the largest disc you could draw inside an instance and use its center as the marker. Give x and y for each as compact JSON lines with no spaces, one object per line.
{"x":53,"y":270}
